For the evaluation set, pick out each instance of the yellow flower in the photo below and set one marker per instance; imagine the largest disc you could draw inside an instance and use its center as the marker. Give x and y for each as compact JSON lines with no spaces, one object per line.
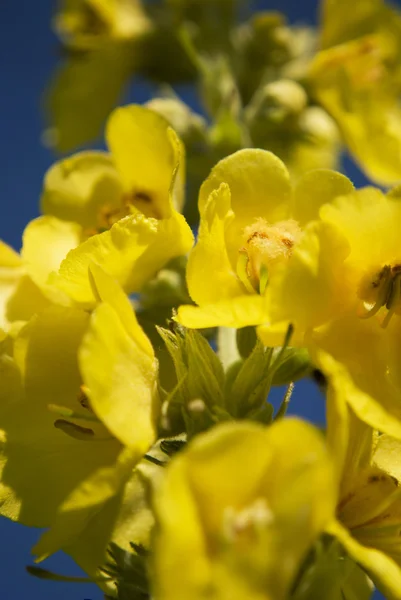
{"x":356,"y":78}
{"x":238,"y":511}
{"x":78,"y":410}
{"x":133,"y":193}
{"x":368,"y":520}
{"x":252,"y":219}
{"x":103,"y":40}
{"x":351,"y":280}
{"x":95,"y":189}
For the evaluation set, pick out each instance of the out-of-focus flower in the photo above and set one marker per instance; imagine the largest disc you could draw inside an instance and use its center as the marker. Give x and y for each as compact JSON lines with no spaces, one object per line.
{"x":134,"y":194}
{"x":356,"y":78}
{"x":102,"y":39}
{"x":368,"y":470}
{"x":72,"y":431}
{"x":238,"y":511}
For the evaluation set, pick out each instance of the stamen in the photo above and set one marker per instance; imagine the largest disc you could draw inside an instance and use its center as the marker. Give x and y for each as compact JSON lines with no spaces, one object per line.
{"x":242,"y":271}
{"x":393,"y":299}
{"x":382,"y":293}
{"x":75,"y":431}
{"x":63,"y":411}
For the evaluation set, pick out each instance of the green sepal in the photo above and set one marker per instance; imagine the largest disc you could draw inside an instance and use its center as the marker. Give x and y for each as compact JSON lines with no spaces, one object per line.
{"x":200,"y":376}
{"x":129,"y":570}
{"x":328,"y":568}
{"x":171,"y":447}
{"x":248,"y":391}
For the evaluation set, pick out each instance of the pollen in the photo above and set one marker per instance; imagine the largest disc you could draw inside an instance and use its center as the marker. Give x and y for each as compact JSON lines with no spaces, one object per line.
{"x":267,"y":245}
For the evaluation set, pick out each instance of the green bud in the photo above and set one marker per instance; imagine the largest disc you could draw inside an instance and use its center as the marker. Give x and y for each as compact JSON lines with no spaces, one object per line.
{"x":294,"y":364}
{"x":166,"y":289}
{"x":246,"y":340}
{"x":189,"y":125}
{"x":318,"y":126}
{"x":276,"y":102}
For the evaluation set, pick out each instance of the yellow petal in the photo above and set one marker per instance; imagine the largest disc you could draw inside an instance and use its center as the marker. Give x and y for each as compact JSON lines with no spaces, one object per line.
{"x":312,"y":276}
{"x":81,"y":188}
{"x":84,"y":502}
{"x":107,"y":290}
{"x":367,"y":219}
{"x":384,"y":572}
{"x":120,"y":380}
{"x":125,"y":518}
{"x":9,"y":257}
{"x":259,"y":184}
{"x":11,"y":272}
{"x":210,"y":275}
{"x":340,"y":25}
{"x":387,"y":456}
{"x":234,"y":312}
{"x":316,"y":188}
{"x":146,"y":156}
{"x":46,"y":242}
{"x":351,"y":440}
{"x":26,"y":301}
{"x":132,"y":251}
{"x":364,"y":367}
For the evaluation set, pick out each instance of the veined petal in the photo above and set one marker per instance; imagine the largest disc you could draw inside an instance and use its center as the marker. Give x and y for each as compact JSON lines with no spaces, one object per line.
{"x":120,"y":380}
{"x":259,"y":184}
{"x":210,"y":275}
{"x":240,"y":311}
{"x":315,"y":188}
{"x":382,"y":569}
{"x":82,"y":188}
{"x":132,"y":251}
{"x":145,"y":156}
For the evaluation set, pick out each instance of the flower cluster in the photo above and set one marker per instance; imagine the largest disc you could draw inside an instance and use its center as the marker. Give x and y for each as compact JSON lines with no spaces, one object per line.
{"x":136,"y":423}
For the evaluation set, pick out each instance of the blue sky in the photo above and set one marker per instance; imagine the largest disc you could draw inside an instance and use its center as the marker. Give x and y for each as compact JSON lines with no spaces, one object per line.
{"x":28,"y":55}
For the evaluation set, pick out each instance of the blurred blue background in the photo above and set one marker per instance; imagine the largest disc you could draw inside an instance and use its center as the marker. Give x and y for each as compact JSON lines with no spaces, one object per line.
{"x":28,"y":55}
